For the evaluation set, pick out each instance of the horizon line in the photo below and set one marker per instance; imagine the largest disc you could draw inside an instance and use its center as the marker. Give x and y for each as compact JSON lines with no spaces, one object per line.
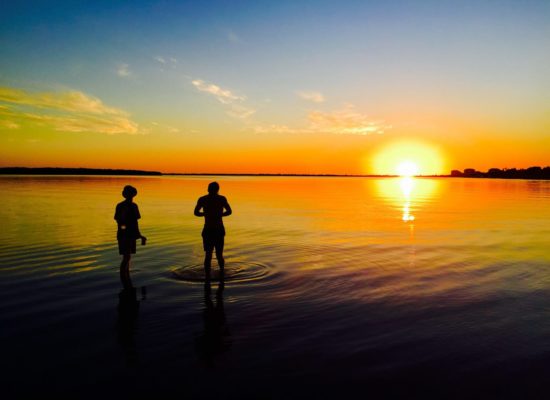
{"x":137,"y":172}
{"x":65,"y":170}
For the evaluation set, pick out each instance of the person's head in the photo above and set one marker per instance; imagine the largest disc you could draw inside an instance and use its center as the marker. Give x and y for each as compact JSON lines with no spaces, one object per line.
{"x":129,"y":192}
{"x":213,"y":188}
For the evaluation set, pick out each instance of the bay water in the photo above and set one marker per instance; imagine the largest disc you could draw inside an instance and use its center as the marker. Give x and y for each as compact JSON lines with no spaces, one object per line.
{"x":376,"y":287}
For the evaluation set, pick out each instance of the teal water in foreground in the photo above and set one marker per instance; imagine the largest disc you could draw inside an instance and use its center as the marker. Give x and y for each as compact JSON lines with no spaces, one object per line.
{"x":381,"y":287}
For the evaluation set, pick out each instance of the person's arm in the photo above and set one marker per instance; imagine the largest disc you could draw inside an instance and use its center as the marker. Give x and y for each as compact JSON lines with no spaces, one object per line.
{"x":227,"y":208}
{"x":138,"y":216}
{"x":198,"y":211}
{"x":118,"y":216}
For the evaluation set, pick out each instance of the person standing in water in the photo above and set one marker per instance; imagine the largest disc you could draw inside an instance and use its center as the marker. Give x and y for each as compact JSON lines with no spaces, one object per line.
{"x":213,"y":207}
{"x":126,"y":216}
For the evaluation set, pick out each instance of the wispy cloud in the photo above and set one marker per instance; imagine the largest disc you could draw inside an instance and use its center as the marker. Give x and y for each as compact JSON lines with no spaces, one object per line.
{"x":8,"y":124}
{"x":314,"y":97}
{"x":71,"y":111}
{"x":166,"y":61}
{"x":276,"y":128}
{"x":123,"y":70}
{"x":238,"y":111}
{"x":344,"y":121}
{"x":232,"y":102}
{"x":233,"y":37}
{"x":223,"y":95}
{"x":73,"y":101}
{"x":166,"y":128}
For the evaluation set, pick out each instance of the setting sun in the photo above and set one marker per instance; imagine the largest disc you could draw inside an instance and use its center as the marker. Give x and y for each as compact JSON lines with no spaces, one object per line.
{"x":407,"y":158}
{"x":407,"y":168}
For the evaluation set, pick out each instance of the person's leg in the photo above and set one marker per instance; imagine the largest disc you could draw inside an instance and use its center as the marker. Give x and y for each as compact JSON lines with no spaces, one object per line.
{"x":125,"y":250}
{"x":208,"y":247}
{"x":207,"y":262}
{"x":125,"y":264}
{"x":219,"y":255}
{"x":125,"y":270}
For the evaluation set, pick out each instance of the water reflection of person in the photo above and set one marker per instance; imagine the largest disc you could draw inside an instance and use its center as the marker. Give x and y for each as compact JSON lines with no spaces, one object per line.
{"x":214,"y":207}
{"x":215,"y":338}
{"x":128,"y":311}
{"x":126,"y":216}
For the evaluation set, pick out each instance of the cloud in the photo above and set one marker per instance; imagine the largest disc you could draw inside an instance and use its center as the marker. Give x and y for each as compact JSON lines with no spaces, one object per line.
{"x":347,"y":121}
{"x":223,"y":95}
{"x":275,"y":128}
{"x":314,"y":97}
{"x":166,"y":61}
{"x":86,"y":123}
{"x":123,"y":70}
{"x":71,"y":111}
{"x":9,"y":124}
{"x":166,"y":128}
{"x":72,"y":101}
{"x":233,"y":37}
{"x":231,"y":101}
{"x":238,"y":111}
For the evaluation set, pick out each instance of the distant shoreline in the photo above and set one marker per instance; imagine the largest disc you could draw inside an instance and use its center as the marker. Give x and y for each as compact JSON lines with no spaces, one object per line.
{"x":529,"y":173}
{"x":74,"y":171}
{"x":131,"y":172}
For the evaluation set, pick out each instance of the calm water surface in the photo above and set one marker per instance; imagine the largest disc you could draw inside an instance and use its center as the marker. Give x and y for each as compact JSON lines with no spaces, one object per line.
{"x":335,"y":286}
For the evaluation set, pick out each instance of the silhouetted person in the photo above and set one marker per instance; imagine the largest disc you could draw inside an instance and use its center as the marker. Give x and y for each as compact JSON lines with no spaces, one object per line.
{"x":126,"y":216}
{"x":213,"y":207}
{"x":215,"y":338}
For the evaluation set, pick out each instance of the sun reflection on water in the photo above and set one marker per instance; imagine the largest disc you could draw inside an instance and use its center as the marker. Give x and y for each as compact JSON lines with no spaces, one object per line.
{"x":407,"y":194}
{"x":407,"y":186}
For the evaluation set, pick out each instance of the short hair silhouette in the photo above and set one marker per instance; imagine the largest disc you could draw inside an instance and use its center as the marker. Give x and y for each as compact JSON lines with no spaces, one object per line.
{"x":213,"y":207}
{"x":213,"y":187}
{"x":127,"y":216}
{"x":129,"y":191}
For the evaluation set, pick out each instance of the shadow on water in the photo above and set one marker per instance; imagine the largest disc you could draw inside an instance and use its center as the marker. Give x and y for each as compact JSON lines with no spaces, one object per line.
{"x":215,"y":338}
{"x":128,"y":312}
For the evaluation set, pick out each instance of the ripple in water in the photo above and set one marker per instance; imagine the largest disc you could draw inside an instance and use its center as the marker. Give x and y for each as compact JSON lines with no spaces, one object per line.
{"x":235,"y":272}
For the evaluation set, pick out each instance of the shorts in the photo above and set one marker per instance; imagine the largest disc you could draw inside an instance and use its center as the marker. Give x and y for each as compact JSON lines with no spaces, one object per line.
{"x":126,"y":245}
{"x":213,"y":239}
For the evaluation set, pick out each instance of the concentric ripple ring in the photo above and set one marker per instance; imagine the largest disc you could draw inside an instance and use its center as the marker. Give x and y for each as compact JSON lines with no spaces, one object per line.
{"x":235,"y":272}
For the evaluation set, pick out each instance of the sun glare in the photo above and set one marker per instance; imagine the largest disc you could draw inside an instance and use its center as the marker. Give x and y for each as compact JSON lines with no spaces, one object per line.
{"x":407,"y":168}
{"x":407,"y":158}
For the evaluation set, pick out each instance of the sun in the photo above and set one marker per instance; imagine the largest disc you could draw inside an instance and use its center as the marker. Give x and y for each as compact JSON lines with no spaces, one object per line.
{"x":406,"y":158}
{"x":407,"y":168}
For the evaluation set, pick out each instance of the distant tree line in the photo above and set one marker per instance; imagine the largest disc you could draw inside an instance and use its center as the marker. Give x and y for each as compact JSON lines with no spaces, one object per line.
{"x":73,"y":171}
{"x":506,"y":173}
